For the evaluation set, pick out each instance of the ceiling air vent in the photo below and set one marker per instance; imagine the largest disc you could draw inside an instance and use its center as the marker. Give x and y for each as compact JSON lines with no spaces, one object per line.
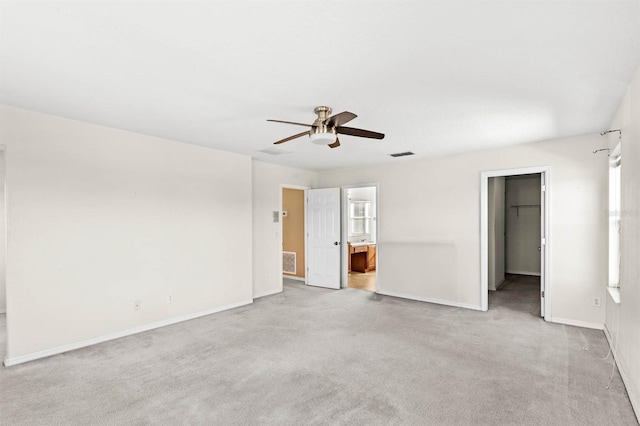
{"x":274,"y":151}
{"x":402,"y":154}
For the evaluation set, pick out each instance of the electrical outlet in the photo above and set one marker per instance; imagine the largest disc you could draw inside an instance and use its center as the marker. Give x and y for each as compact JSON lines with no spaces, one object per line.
{"x":137,"y":305}
{"x":170,"y":298}
{"x":596,"y":302}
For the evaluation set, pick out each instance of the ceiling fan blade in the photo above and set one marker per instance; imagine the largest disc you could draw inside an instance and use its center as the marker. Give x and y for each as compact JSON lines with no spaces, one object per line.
{"x":291,"y":122}
{"x":359,"y":132}
{"x":335,"y":144}
{"x":340,"y":119}
{"x":291,"y":138}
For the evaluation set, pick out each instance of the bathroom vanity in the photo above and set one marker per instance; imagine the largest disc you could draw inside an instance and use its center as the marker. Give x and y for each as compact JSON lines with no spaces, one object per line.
{"x":362,"y":257}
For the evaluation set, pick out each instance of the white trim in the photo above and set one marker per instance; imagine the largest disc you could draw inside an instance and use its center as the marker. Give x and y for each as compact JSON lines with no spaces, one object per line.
{"x":430,"y":300}
{"x":298,"y":187}
{"x":267,"y":293}
{"x":293,"y":277}
{"x":484,"y":232}
{"x":5,"y":243}
{"x":623,"y":374}
{"x":614,"y":292}
{"x":577,"y":323}
{"x":111,"y":336}
{"x":607,"y":334}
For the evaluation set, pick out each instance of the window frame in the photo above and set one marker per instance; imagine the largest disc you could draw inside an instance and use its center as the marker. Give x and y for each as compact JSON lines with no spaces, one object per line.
{"x":615,"y":216}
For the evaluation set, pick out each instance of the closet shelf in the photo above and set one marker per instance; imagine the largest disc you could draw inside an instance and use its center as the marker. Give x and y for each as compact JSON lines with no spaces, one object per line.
{"x":523,"y":206}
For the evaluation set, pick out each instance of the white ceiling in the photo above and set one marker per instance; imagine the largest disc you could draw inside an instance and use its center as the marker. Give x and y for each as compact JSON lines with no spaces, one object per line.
{"x":437,"y":77}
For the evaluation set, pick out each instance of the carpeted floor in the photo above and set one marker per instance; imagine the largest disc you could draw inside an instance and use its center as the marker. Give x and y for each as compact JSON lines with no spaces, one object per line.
{"x":315,"y":356}
{"x":3,"y":338}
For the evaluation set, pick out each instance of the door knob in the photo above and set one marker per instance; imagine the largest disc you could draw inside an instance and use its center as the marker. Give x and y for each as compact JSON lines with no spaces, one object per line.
{"x":538,"y":248}
{"x":336,"y":243}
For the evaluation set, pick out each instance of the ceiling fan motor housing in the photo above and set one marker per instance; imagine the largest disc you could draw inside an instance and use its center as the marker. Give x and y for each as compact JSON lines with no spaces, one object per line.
{"x":320,"y":133}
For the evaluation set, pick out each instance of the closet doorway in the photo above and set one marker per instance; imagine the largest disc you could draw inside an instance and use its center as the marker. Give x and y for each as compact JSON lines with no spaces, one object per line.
{"x":360,"y":231}
{"x":514,"y":239}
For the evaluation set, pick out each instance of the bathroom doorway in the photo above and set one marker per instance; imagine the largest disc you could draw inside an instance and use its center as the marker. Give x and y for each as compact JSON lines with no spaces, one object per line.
{"x":360,"y":231}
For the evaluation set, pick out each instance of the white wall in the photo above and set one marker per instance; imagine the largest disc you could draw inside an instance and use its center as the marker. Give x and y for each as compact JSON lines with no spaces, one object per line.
{"x":523,"y":224}
{"x":496,"y":254}
{"x":623,"y":319}
{"x":99,"y":218}
{"x":3,"y":300}
{"x":429,"y":223}
{"x":267,"y":240}
{"x":363,"y":194}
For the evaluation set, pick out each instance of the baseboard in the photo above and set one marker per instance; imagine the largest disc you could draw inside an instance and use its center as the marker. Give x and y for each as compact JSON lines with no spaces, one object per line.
{"x":112,"y":336}
{"x":533,"y":274}
{"x":430,"y":300}
{"x":499,"y":286}
{"x":266,"y":293}
{"x":635,"y":403}
{"x":577,"y":323}
{"x":609,"y":337}
{"x":293,"y":277}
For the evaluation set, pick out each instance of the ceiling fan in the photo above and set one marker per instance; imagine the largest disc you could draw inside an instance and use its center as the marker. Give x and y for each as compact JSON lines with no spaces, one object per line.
{"x":325,"y":129}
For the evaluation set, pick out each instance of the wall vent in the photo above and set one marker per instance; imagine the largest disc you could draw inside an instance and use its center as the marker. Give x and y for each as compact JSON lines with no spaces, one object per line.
{"x":274,"y":150}
{"x":402,"y":154}
{"x":289,"y":262}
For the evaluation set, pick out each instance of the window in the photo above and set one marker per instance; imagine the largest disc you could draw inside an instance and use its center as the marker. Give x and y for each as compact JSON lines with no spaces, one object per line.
{"x":360,"y":216}
{"x":615,"y":217}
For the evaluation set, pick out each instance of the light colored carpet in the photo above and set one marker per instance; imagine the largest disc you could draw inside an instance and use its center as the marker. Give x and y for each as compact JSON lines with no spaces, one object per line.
{"x":3,"y":338}
{"x":315,"y":356}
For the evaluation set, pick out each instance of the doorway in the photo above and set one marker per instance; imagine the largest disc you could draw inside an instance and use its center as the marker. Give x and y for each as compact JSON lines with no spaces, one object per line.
{"x":514,"y":239}
{"x":360,"y":231}
{"x":514,"y":242}
{"x":293,"y":232}
{"x":3,"y":256}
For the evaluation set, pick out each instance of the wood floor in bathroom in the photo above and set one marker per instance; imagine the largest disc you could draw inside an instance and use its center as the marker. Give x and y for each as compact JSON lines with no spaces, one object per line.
{"x":363,"y":281}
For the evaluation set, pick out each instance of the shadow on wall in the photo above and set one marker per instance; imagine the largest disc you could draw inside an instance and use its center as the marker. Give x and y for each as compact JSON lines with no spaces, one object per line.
{"x":403,"y":259}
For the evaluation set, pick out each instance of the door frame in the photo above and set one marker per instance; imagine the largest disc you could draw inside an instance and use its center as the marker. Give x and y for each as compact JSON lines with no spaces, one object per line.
{"x":4,"y":242}
{"x":344,"y":189}
{"x":545,"y":258}
{"x":304,"y":232}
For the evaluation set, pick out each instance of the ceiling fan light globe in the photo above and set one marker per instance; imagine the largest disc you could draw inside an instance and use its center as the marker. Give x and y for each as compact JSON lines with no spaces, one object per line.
{"x":323,"y":138}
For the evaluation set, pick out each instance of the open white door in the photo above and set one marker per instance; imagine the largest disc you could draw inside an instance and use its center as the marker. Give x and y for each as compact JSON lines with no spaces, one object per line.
{"x":323,"y":237}
{"x":543,"y":240}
